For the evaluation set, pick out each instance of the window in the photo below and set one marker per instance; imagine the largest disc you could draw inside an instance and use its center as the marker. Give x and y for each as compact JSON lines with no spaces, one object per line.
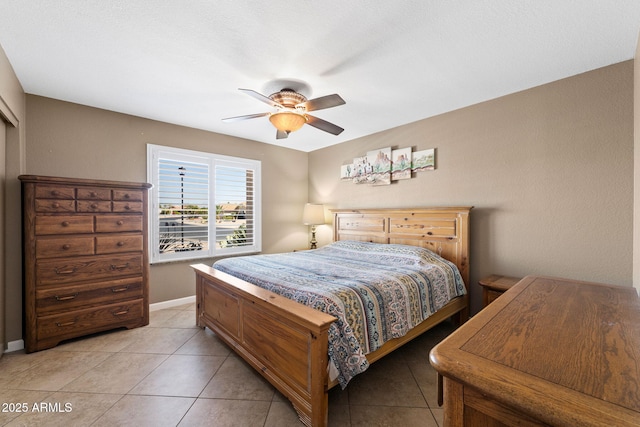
{"x":187,"y":187}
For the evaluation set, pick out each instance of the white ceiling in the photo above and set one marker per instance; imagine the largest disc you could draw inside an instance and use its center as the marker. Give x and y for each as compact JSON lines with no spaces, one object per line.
{"x":393,"y":62}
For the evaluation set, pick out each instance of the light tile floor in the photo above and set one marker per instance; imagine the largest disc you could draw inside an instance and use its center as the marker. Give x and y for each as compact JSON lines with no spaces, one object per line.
{"x":173,"y":373}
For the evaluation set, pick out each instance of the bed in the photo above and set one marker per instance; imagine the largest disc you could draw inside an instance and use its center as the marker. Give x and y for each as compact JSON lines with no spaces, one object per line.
{"x":288,"y":342}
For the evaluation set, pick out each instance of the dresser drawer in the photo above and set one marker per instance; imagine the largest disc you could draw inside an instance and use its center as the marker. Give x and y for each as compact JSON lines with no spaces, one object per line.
{"x":64,"y":224}
{"x":54,"y":205}
{"x":116,"y":223}
{"x":117,"y":244}
{"x":80,"y":269}
{"x":94,"y":193}
{"x":64,"y":246}
{"x":94,"y":206}
{"x":49,"y":301}
{"x":90,"y":320}
{"x":127,"y":195}
{"x":127,"y":206}
{"x":54,"y":192}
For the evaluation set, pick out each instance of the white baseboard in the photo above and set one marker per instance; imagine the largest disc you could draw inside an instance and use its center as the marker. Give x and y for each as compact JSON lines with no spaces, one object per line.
{"x":14,"y":346}
{"x":172,"y":303}
{"x":19,"y":344}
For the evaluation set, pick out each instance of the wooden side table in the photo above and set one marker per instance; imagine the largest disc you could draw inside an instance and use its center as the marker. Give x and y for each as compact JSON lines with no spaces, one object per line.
{"x":494,"y":286}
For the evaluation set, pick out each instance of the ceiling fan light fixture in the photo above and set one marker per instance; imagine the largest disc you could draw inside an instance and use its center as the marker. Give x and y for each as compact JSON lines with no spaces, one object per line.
{"x":287,"y":121}
{"x":290,"y":111}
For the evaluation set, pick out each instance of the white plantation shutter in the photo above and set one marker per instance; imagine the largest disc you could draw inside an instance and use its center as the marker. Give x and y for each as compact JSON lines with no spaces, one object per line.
{"x":235,"y":196}
{"x":202,"y":204}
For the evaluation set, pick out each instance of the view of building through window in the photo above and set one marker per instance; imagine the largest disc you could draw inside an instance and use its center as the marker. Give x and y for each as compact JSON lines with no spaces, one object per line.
{"x":184,"y":206}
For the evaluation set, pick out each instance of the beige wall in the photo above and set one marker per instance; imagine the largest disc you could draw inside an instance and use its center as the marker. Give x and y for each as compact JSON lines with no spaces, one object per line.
{"x":636,"y":208}
{"x":12,"y":111}
{"x":66,"y":139}
{"x":549,"y":171}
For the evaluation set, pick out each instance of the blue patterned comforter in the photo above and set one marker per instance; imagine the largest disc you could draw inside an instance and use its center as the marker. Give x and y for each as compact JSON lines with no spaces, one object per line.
{"x":376,"y":291}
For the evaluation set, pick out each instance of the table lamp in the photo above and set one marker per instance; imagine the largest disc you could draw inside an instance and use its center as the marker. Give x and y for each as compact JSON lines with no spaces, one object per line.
{"x":313,"y":215}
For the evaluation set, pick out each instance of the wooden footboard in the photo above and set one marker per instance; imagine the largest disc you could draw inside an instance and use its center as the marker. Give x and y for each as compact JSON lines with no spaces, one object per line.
{"x":285,"y":341}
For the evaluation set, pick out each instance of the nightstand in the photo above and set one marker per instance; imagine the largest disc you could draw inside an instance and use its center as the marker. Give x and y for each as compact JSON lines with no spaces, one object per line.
{"x":494,"y":286}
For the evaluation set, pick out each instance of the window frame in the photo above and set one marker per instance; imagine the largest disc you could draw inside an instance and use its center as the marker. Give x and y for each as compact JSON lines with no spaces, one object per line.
{"x":157,"y":152}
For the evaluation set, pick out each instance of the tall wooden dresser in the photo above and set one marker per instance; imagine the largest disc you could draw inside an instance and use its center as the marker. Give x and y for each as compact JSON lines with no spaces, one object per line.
{"x":86,"y":266}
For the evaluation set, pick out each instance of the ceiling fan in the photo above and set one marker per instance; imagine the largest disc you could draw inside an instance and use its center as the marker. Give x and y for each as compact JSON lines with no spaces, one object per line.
{"x":291,"y":110}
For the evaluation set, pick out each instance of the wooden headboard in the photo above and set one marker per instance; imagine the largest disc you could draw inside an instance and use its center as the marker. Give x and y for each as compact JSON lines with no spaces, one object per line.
{"x":443,"y":230}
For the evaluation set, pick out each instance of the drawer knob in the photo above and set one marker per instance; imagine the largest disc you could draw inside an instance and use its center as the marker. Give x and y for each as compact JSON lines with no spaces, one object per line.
{"x":66,"y":297}
{"x":55,"y":205}
{"x":55,"y":193}
{"x":121,"y":289}
{"x":65,"y":223}
{"x":126,"y":196}
{"x":93,"y":194}
{"x":94,"y":206}
{"x":121,"y":243}
{"x":66,"y":246}
{"x":127,"y":207}
{"x":120,"y":222}
{"x":62,"y":325}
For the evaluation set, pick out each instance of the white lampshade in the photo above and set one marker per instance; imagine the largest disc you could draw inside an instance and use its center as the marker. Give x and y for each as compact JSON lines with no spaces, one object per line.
{"x":313,"y":214}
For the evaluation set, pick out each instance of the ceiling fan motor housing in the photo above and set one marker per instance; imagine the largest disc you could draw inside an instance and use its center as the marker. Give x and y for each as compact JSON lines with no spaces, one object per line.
{"x":288,"y":98}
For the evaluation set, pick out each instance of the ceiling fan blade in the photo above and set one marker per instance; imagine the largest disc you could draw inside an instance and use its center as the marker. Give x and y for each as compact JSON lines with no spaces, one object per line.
{"x":324,"y":125}
{"x":323,"y":102}
{"x":280,"y":134}
{"x":248,"y":116}
{"x":261,"y":97}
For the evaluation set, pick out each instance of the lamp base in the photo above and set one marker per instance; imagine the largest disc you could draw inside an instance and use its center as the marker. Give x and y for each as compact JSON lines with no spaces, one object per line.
{"x":313,"y":243}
